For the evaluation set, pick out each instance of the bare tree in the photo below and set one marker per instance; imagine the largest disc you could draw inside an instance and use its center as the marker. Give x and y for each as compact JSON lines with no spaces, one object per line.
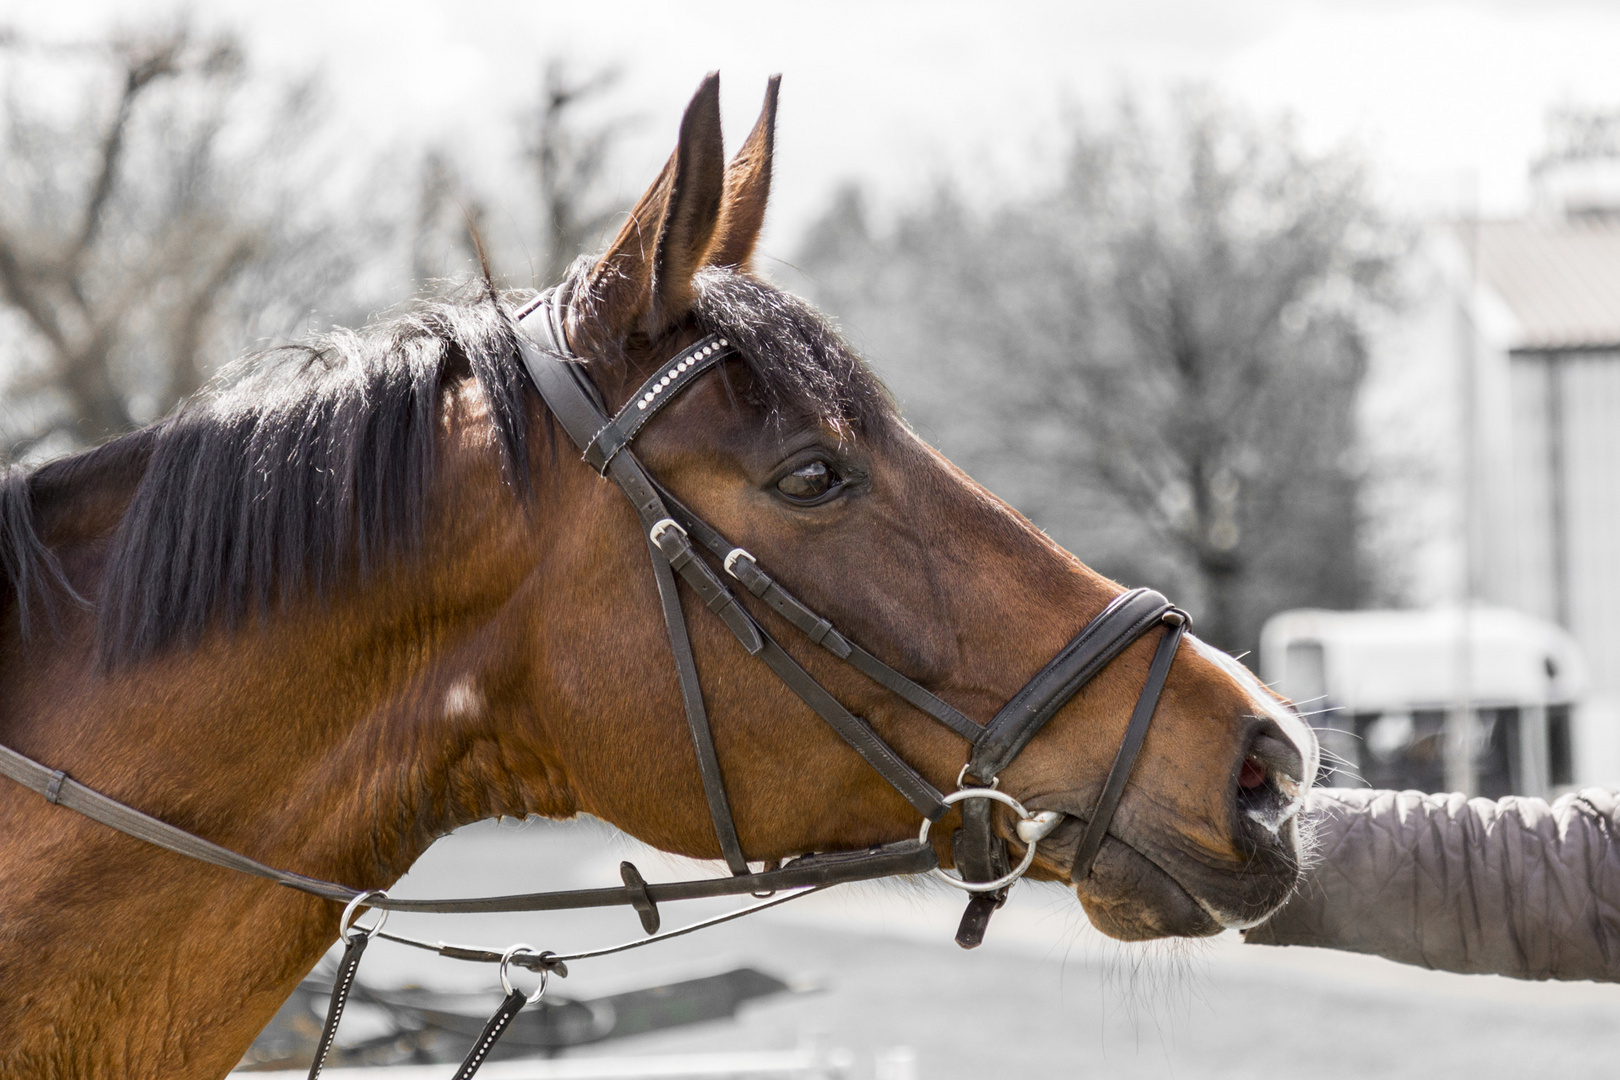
{"x":147,"y":229}
{"x":1168,"y":346}
{"x":447,"y":215}
{"x":570,"y":154}
{"x":568,"y":144}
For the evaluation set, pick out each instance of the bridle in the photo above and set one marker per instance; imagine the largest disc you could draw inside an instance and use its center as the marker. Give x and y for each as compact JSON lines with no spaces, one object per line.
{"x":676,"y":540}
{"x":680,"y":544}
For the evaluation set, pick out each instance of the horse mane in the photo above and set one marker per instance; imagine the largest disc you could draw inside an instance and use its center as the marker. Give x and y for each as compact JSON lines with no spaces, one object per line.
{"x":308,"y":466}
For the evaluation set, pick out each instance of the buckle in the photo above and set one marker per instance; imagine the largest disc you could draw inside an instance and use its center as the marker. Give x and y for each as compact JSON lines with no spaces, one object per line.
{"x":733,"y":555}
{"x":661,"y":526}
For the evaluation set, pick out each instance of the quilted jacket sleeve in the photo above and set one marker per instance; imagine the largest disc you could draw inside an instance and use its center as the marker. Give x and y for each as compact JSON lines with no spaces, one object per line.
{"x":1517,"y":887}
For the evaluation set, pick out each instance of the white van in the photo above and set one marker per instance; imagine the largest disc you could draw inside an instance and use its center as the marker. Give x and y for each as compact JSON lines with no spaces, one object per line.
{"x":1387,"y":690}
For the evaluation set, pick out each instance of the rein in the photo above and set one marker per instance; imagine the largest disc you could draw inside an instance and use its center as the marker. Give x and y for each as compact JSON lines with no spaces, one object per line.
{"x":677,"y":540}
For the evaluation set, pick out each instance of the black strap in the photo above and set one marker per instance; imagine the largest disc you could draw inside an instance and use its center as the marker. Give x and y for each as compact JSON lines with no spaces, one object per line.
{"x":977,"y":851}
{"x":63,"y":790}
{"x":342,"y":983}
{"x":491,"y":1034}
{"x":660,"y":389}
{"x":746,"y":569}
{"x":697,"y":717}
{"x":927,"y":799}
{"x":1131,"y":615}
{"x":829,"y":868}
{"x":671,"y":540}
{"x":1125,"y":760}
{"x":978,"y":858}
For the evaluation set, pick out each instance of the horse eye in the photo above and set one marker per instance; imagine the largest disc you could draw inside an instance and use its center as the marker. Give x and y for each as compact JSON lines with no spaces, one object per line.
{"x":808,"y":481}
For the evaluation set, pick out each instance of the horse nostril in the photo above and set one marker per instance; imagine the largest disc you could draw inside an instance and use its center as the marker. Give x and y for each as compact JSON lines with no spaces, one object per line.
{"x":1268,"y":783}
{"x":1273,"y":758}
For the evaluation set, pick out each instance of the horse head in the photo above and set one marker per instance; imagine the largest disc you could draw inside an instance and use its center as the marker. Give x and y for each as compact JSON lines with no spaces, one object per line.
{"x":795,"y":453}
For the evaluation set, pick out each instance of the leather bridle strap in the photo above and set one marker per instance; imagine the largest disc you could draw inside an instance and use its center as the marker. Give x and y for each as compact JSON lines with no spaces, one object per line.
{"x":1130,"y":616}
{"x":887,"y":860}
{"x":1125,"y":759}
{"x":741,"y":565}
{"x":63,"y":790}
{"x":697,"y":716}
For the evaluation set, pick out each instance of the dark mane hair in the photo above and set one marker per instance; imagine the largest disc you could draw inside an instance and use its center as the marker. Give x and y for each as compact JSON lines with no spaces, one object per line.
{"x":309,"y":465}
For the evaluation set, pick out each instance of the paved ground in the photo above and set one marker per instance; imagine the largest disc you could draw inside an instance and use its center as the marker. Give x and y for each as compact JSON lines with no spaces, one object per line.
{"x":1045,"y":996}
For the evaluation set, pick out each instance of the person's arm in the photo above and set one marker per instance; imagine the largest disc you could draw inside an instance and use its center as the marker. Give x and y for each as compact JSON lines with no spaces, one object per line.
{"x":1516,"y":887}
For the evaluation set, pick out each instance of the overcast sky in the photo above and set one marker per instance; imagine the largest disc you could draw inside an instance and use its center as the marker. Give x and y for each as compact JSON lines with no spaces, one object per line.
{"x":1445,"y":99}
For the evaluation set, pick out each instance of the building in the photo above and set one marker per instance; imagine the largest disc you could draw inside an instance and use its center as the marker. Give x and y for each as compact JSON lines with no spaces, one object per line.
{"x":1493,"y":411}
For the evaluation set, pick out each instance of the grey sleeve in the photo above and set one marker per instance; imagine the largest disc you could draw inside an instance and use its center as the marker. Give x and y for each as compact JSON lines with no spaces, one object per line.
{"x":1516,"y":887}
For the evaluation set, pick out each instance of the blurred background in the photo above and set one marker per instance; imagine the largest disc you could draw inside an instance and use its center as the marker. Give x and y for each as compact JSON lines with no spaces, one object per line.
{"x":1305,"y":313}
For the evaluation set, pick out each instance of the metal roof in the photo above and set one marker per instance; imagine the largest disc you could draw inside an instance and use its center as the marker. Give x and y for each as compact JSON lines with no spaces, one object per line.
{"x":1561,"y":279}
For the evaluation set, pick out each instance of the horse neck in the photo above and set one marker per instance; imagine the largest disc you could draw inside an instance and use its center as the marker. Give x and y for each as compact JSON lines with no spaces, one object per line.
{"x":336,"y":739}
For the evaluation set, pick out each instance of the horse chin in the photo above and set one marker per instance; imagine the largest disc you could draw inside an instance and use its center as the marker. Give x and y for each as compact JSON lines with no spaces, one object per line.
{"x":1134,"y":896}
{"x":1129,"y":897}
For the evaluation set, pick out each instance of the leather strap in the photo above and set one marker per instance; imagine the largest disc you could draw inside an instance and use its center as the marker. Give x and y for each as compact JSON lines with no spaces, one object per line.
{"x":492,"y":1032}
{"x":925,"y":797}
{"x":977,"y":851}
{"x":697,"y":718}
{"x":1125,"y":759}
{"x":341,"y":985}
{"x":63,"y":790}
{"x":1131,"y":615}
{"x":831,"y":868}
{"x":746,"y":569}
{"x":978,"y":858}
{"x":659,"y":390}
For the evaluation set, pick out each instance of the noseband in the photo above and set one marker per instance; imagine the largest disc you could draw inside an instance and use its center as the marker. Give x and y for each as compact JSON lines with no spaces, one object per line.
{"x":677,"y":540}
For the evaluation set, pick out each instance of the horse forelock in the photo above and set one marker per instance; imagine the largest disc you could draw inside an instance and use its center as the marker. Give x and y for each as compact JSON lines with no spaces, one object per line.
{"x":308,"y":466}
{"x":799,"y":362}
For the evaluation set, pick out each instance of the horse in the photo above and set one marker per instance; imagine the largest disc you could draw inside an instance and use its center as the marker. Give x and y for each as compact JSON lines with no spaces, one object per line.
{"x":363,"y":592}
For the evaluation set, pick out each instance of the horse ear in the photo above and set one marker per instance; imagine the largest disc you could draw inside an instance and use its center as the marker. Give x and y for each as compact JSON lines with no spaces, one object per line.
{"x":748,"y":186}
{"x":645,"y":280}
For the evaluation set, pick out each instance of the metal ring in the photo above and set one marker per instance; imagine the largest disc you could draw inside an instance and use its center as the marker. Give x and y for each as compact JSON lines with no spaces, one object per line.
{"x":995,"y":781}
{"x":1004,"y":880}
{"x":352,"y":912}
{"x":733,"y":555}
{"x":506,"y":980}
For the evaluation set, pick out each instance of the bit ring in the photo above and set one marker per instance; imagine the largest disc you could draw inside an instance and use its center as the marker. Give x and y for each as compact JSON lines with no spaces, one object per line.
{"x":1010,"y":876}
